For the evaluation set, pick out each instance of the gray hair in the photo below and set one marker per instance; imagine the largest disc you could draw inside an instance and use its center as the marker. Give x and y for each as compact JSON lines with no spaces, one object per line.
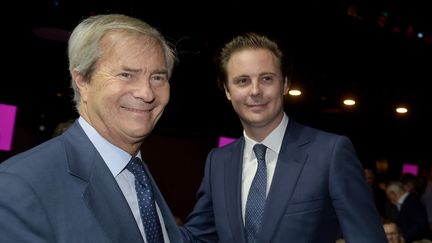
{"x":395,"y":187}
{"x":84,"y":43}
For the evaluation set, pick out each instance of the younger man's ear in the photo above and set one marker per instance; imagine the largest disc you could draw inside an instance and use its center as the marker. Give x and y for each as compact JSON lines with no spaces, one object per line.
{"x":227,"y":93}
{"x":287,"y":85}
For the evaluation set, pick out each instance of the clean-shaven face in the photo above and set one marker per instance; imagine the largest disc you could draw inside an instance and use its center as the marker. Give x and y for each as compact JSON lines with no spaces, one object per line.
{"x":128,"y":90}
{"x":255,"y":87}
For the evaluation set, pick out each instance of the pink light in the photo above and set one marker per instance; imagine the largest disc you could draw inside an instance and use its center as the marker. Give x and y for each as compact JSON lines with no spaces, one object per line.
{"x":225,"y":140}
{"x":409,"y":168}
{"x":7,"y":123}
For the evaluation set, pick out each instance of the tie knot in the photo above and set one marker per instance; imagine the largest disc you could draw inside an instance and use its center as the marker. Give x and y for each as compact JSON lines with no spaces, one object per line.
{"x":260,"y":150}
{"x":135,"y":166}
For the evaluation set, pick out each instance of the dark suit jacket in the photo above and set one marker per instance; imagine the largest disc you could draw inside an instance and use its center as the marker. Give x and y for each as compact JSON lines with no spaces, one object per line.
{"x":318,"y":185}
{"x":62,"y":191}
{"x":412,"y":219}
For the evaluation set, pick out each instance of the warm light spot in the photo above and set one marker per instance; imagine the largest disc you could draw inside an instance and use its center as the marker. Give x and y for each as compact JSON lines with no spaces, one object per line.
{"x":349,"y":102}
{"x":401,"y":110}
{"x":295,"y":92}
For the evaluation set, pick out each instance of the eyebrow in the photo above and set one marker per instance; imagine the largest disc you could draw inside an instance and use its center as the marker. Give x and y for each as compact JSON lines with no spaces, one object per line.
{"x":128,"y":69}
{"x":135,"y":70}
{"x":260,"y":74}
{"x":241,"y":76}
{"x":160,"y":71}
{"x":268,"y":73}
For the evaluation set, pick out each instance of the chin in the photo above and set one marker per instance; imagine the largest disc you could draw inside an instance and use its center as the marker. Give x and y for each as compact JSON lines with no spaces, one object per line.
{"x":139,"y":131}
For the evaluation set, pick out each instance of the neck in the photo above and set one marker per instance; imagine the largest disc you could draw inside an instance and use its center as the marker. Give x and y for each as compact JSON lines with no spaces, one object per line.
{"x":259,"y":133}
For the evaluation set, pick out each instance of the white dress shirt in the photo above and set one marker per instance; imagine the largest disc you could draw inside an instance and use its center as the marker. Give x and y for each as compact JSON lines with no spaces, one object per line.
{"x":273,"y":143}
{"x":117,"y":159}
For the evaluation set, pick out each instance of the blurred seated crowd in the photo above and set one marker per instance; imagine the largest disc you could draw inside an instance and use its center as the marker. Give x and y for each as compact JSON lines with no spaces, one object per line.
{"x":405,"y":206}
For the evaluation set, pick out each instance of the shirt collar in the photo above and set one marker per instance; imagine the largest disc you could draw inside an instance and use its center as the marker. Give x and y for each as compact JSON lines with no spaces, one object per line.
{"x":402,"y":199}
{"x":115,"y":158}
{"x":273,"y":141}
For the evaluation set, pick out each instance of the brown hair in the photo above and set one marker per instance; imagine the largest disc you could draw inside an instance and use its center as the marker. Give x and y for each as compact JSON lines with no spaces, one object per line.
{"x":248,"y":40}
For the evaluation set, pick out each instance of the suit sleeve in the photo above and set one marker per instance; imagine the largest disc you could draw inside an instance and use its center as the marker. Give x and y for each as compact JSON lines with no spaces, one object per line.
{"x":351,"y":198}
{"x":200,"y":224}
{"x":22,"y":217}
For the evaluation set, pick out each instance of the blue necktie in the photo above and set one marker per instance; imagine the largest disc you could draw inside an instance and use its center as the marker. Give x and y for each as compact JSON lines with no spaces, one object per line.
{"x":257,"y":196}
{"x":146,"y":202}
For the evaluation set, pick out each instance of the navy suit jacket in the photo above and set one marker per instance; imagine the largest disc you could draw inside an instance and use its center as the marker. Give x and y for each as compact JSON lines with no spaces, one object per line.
{"x":62,"y":191}
{"x":318,"y":185}
{"x":412,"y":219}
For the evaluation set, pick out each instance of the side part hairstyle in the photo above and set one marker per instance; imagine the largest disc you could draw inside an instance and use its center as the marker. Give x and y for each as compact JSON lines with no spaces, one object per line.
{"x":248,"y":40}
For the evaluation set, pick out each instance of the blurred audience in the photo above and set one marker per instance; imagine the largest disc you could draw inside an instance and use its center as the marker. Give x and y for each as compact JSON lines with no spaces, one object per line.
{"x":427,"y":197}
{"x":411,"y":217}
{"x":413,"y":184}
{"x":392,"y":232}
{"x":62,"y":127}
{"x":378,"y":193}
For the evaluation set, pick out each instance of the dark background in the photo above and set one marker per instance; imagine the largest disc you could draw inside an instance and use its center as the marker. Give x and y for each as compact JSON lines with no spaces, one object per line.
{"x":335,"y":49}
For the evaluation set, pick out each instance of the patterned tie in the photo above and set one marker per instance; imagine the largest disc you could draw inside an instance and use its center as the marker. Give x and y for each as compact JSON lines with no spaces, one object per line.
{"x":257,"y":196}
{"x":146,"y":202}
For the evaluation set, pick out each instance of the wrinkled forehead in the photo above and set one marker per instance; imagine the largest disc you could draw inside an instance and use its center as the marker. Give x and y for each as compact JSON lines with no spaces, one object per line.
{"x":119,"y":38}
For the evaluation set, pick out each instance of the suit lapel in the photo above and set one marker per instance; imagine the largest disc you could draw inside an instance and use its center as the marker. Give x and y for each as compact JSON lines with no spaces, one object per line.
{"x":288,"y":168}
{"x":101,"y":193}
{"x":105,"y":199}
{"x":232,"y":185}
